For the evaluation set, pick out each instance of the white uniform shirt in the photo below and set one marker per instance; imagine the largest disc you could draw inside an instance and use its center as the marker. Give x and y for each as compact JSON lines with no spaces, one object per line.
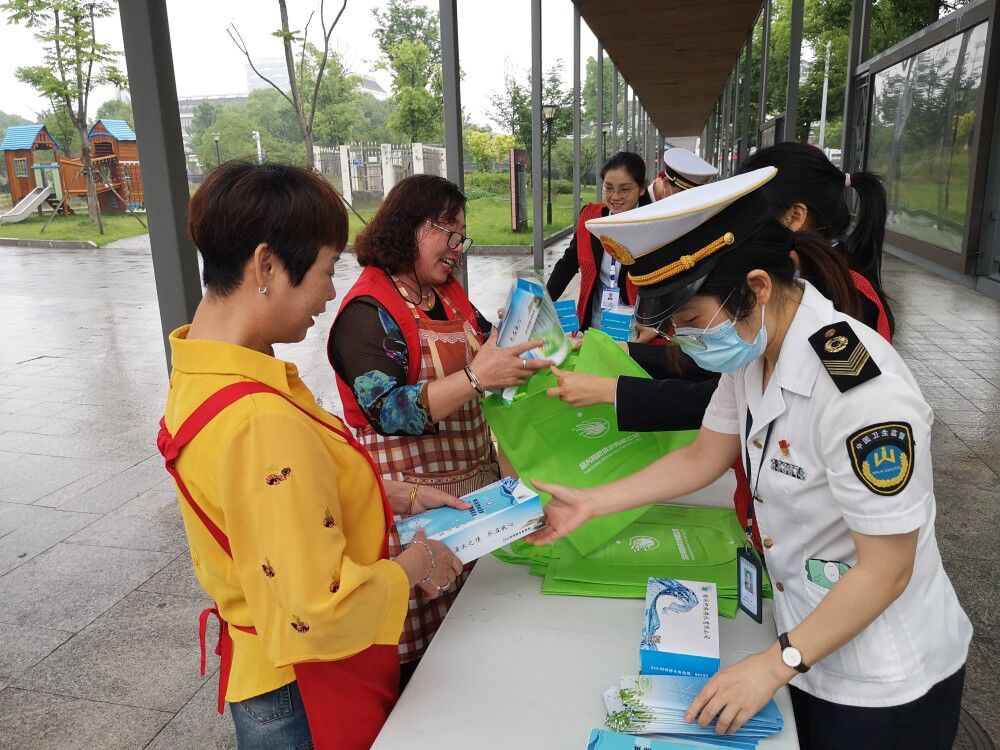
{"x":922,"y":637}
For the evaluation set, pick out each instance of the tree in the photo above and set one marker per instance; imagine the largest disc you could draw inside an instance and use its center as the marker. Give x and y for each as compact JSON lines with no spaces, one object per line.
{"x":234,"y":125}
{"x":590,"y":90}
{"x":62,"y":128}
{"x":402,"y":20}
{"x":75,"y":62}
{"x":116,"y":109}
{"x":301,"y":97}
{"x":416,"y":115}
{"x":511,"y":108}
{"x":340,"y":107}
{"x":554,"y":91}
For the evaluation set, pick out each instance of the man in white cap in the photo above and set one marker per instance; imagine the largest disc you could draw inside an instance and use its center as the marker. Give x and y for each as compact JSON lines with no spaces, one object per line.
{"x":682,"y":169}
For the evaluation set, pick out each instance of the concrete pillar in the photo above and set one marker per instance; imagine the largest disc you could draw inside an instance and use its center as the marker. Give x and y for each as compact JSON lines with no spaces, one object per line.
{"x":149,"y":61}
{"x":418,"y":158}
{"x":794,"y":66}
{"x":576,"y":109}
{"x":537,"y":165}
{"x":765,"y":56}
{"x":345,"y":172}
{"x":388,"y":173}
{"x":599,"y":125}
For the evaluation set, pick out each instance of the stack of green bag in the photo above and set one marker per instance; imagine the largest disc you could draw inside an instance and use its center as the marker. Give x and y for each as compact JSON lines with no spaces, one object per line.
{"x":668,"y":541}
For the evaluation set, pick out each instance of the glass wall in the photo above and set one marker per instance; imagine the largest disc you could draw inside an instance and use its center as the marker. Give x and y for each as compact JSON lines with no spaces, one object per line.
{"x":922,"y":123}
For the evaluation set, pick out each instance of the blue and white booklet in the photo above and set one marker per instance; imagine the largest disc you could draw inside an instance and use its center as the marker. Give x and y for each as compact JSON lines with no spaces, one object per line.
{"x":655,"y":704}
{"x":603,"y":739}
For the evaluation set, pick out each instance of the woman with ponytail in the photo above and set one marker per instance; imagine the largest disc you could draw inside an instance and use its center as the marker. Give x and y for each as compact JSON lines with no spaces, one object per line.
{"x":808,"y":195}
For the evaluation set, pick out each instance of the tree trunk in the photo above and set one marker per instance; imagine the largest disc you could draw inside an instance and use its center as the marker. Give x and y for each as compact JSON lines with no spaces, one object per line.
{"x":93,"y":207}
{"x":297,"y":102}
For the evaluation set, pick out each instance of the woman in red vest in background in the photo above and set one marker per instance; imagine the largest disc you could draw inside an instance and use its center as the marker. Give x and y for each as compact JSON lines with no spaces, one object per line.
{"x":809,"y":195}
{"x":624,"y":177}
{"x":413,"y":356}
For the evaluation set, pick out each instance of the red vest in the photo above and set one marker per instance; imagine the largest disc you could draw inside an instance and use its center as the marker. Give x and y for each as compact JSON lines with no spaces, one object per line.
{"x":375,"y":283}
{"x":585,"y":258}
{"x":866,"y":290}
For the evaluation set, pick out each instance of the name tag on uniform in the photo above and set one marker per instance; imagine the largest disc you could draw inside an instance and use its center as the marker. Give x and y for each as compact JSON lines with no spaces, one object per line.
{"x":609,"y":297}
{"x":748,"y":583}
{"x":783,"y":467}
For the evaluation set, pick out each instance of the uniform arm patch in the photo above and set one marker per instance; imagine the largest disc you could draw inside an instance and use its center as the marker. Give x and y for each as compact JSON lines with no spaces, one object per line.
{"x":882,"y":456}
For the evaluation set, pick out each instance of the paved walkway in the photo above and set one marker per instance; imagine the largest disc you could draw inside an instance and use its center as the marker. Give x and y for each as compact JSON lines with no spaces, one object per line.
{"x":98,"y":605}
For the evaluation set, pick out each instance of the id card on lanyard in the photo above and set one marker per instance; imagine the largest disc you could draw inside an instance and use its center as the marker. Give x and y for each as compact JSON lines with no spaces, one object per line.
{"x":749,"y":571}
{"x":610,"y":294}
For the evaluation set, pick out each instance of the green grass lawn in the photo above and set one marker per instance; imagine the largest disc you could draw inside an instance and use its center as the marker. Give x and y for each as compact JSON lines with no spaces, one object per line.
{"x":76,"y":227}
{"x":489,"y":220}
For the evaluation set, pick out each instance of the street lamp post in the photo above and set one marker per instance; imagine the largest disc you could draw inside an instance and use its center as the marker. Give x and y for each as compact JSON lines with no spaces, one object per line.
{"x":606,"y":127}
{"x":218,"y":156}
{"x":549,"y":114}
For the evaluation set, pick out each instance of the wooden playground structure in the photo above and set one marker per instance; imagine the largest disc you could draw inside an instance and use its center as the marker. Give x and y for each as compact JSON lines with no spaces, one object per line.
{"x":42,"y":177}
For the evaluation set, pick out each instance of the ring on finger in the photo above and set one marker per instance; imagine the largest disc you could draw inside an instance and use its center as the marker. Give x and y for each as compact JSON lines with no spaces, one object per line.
{"x":524,"y":364}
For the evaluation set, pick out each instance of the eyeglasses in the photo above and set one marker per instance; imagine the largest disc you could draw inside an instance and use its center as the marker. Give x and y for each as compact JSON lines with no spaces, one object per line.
{"x":610,"y":191}
{"x":455,"y":239}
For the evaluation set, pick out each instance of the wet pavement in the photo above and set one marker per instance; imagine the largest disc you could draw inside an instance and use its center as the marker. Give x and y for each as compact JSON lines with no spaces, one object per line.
{"x":98,"y":605}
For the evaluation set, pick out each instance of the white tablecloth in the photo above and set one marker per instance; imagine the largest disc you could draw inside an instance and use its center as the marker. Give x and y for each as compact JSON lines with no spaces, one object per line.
{"x":511,"y":668}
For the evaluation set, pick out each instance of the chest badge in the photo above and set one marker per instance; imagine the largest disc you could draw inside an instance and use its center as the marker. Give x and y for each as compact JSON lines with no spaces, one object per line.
{"x":783,"y":467}
{"x":882,"y":456}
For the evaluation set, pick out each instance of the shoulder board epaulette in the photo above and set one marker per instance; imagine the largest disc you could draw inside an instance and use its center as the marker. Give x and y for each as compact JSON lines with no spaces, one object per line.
{"x":844,"y":356}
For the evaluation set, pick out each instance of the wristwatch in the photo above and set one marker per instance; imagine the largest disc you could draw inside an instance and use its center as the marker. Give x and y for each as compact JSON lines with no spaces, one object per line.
{"x":791,"y":655}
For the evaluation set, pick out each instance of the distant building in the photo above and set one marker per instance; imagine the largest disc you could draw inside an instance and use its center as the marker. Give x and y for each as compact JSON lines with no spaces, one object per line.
{"x":370,"y":86}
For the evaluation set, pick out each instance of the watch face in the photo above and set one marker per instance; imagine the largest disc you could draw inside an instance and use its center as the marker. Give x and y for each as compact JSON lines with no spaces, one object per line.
{"x":791,"y":656}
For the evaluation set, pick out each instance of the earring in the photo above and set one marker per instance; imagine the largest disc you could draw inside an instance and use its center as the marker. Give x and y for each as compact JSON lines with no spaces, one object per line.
{"x":262,"y":289}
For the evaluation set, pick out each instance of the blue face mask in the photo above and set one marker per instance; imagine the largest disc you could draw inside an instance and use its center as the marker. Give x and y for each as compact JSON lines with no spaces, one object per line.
{"x":721,"y":349}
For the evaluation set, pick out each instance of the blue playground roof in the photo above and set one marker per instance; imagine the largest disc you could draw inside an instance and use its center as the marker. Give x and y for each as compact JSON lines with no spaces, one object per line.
{"x":20,"y":137}
{"x":118,"y":129}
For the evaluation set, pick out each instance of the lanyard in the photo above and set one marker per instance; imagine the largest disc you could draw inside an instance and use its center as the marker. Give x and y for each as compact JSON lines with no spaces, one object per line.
{"x":753,"y":493}
{"x":614,"y":269}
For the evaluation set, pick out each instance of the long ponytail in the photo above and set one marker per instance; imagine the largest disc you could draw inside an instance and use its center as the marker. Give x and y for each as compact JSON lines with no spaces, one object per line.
{"x":827,"y":270}
{"x":864,"y":243}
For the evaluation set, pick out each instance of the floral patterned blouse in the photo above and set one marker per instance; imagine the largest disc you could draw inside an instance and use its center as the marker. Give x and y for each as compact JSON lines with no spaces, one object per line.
{"x":370,"y":353}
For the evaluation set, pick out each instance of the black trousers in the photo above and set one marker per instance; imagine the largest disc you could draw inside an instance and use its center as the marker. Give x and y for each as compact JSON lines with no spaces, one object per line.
{"x":929,"y":723}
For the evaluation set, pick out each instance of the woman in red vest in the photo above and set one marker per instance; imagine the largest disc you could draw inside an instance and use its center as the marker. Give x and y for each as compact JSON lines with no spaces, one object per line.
{"x":808,"y":195}
{"x":602,"y":280}
{"x":412,"y":360}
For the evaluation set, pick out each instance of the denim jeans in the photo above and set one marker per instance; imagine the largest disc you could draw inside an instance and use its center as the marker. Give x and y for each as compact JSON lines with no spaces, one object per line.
{"x":272,"y":721}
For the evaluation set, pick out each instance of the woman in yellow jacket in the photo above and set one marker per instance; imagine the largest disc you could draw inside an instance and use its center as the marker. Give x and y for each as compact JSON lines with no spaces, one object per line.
{"x":285,"y":516}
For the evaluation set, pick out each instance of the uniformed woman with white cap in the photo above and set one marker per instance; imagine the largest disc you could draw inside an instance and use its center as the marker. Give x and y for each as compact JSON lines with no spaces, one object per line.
{"x":835,"y":436}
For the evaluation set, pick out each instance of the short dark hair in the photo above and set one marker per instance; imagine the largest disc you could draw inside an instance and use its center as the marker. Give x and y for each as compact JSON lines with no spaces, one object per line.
{"x":241,"y":204}
{"x":389,"y":241}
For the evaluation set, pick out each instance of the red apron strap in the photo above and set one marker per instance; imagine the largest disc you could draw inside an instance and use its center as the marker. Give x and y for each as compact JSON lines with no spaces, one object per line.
{"x":866,"y":290}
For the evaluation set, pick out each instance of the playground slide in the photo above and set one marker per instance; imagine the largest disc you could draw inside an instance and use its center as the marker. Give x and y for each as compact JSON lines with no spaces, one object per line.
{"x":27,"y":205}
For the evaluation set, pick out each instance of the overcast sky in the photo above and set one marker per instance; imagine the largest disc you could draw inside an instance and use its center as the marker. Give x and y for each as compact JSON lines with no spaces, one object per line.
{"x":491,"y":36}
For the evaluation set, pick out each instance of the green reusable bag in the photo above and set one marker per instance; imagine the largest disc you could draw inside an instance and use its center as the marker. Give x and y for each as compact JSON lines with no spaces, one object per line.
{"x":672,"y":541}
{"x":550,"y":441}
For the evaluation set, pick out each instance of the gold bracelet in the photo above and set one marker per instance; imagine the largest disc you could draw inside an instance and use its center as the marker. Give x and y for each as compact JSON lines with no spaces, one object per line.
{"x":413,"y":499}
{"x":430,"y":552}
